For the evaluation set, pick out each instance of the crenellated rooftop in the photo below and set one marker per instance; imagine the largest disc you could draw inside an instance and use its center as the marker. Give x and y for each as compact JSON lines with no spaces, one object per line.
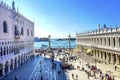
{"x":100,"y":31}
{"x":3,"y":4}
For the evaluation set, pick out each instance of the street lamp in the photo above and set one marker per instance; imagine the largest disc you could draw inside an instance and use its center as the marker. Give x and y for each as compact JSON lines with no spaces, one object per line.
{"x":41,"y":78}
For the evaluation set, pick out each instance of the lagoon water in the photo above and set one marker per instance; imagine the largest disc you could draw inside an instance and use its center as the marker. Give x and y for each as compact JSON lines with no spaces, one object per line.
{"x":55,"y":44}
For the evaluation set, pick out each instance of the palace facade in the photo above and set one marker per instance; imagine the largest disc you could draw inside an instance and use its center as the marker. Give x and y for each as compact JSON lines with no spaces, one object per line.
{"x":103,"y":44}
{"x":16,"y":38}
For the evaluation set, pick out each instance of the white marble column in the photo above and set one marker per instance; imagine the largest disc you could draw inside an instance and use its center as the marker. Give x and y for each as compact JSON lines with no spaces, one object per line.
{"x":3,"y":70}
{"x":99,"y":54}
{"x":102,"y":41}
{"x":20,"y":59}
{"x":13,"y":64}
{"x":102,"y":54}
{"x":117,"y":59}
{"x":17,"y":62}
{"x":111,"y":54}
{"x":118,"y":43}
{"x":8,"y":68}
{"x":107,"y":57}
{"x":111,"y":42}
{"x":107,"y":41}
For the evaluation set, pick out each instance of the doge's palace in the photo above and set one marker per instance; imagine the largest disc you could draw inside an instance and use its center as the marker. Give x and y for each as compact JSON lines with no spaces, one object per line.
{"x":16,"y":38}
{"x":103,"y":44}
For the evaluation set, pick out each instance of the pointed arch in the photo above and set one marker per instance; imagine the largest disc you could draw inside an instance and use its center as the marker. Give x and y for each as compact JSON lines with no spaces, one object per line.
{"x":22,"y":31}
{"x":5,"y":27}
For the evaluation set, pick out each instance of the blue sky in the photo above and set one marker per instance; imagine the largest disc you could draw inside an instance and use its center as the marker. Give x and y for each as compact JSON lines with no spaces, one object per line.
{"x":58,"y":18}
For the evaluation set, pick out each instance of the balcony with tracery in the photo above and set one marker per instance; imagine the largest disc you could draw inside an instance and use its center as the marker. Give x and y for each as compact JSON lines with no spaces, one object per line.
{"x":17,"y":33}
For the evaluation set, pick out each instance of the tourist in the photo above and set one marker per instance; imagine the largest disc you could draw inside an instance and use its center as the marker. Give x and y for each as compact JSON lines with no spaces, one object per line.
{"x":115,"y":67}
{"x":105,"y":77}
{"x":72,"y":75}
{"x":113,"y":78}
{"x":16,"y":77}
{"x":88,"y":74}
{"x":76,"y":76}
{"x":94,"y":74}
{"x":110,"y":77}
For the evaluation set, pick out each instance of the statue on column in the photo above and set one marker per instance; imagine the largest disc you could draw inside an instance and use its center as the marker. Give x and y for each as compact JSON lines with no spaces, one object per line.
{"x":69,"y":44}
{"x":49,"y":46}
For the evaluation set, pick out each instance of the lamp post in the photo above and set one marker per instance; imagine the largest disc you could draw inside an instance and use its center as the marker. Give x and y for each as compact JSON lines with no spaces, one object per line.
{"x":41,"y":78}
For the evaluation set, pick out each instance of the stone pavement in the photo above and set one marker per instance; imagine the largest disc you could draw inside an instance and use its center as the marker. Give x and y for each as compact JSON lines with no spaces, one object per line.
{"x":24,"y":71}
{"x":102,"y":66}
{"x":109,"y":67}
{"x":82,"y":75}
{"x":44,"y":70}
{"x":30,"y":70}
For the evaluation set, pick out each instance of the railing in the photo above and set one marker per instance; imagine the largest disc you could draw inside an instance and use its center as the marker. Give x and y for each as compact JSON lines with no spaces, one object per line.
{"x":104,"y":30}
{"x":6,"y":57}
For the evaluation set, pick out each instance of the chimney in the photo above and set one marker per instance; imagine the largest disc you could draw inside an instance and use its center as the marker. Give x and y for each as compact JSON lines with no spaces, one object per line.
{"x":99,"y":27}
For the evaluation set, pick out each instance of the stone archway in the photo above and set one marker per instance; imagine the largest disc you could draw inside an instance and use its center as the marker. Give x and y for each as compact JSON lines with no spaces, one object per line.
{"x":6,"y":67}
{"x":11,"y":64}
{"x":24,"y":57}
{"x":118,"y":59}
{"x":1,"y":72}
{"x":109,"y":57}
{"x":19,"y":60}
{"x":98,"y":54}
{"x":114,"y":58}
{"x":105,"y":55}
{"x":15,"y":64}
{"x":27,"y":56}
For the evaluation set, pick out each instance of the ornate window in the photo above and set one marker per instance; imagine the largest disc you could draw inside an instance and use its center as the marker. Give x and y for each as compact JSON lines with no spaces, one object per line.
{"x":114,"y":42}
{"x":1,"y":51}
{"x":109,"y":41}
{"x":5,"y":27}
{"x":31,"y":33}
